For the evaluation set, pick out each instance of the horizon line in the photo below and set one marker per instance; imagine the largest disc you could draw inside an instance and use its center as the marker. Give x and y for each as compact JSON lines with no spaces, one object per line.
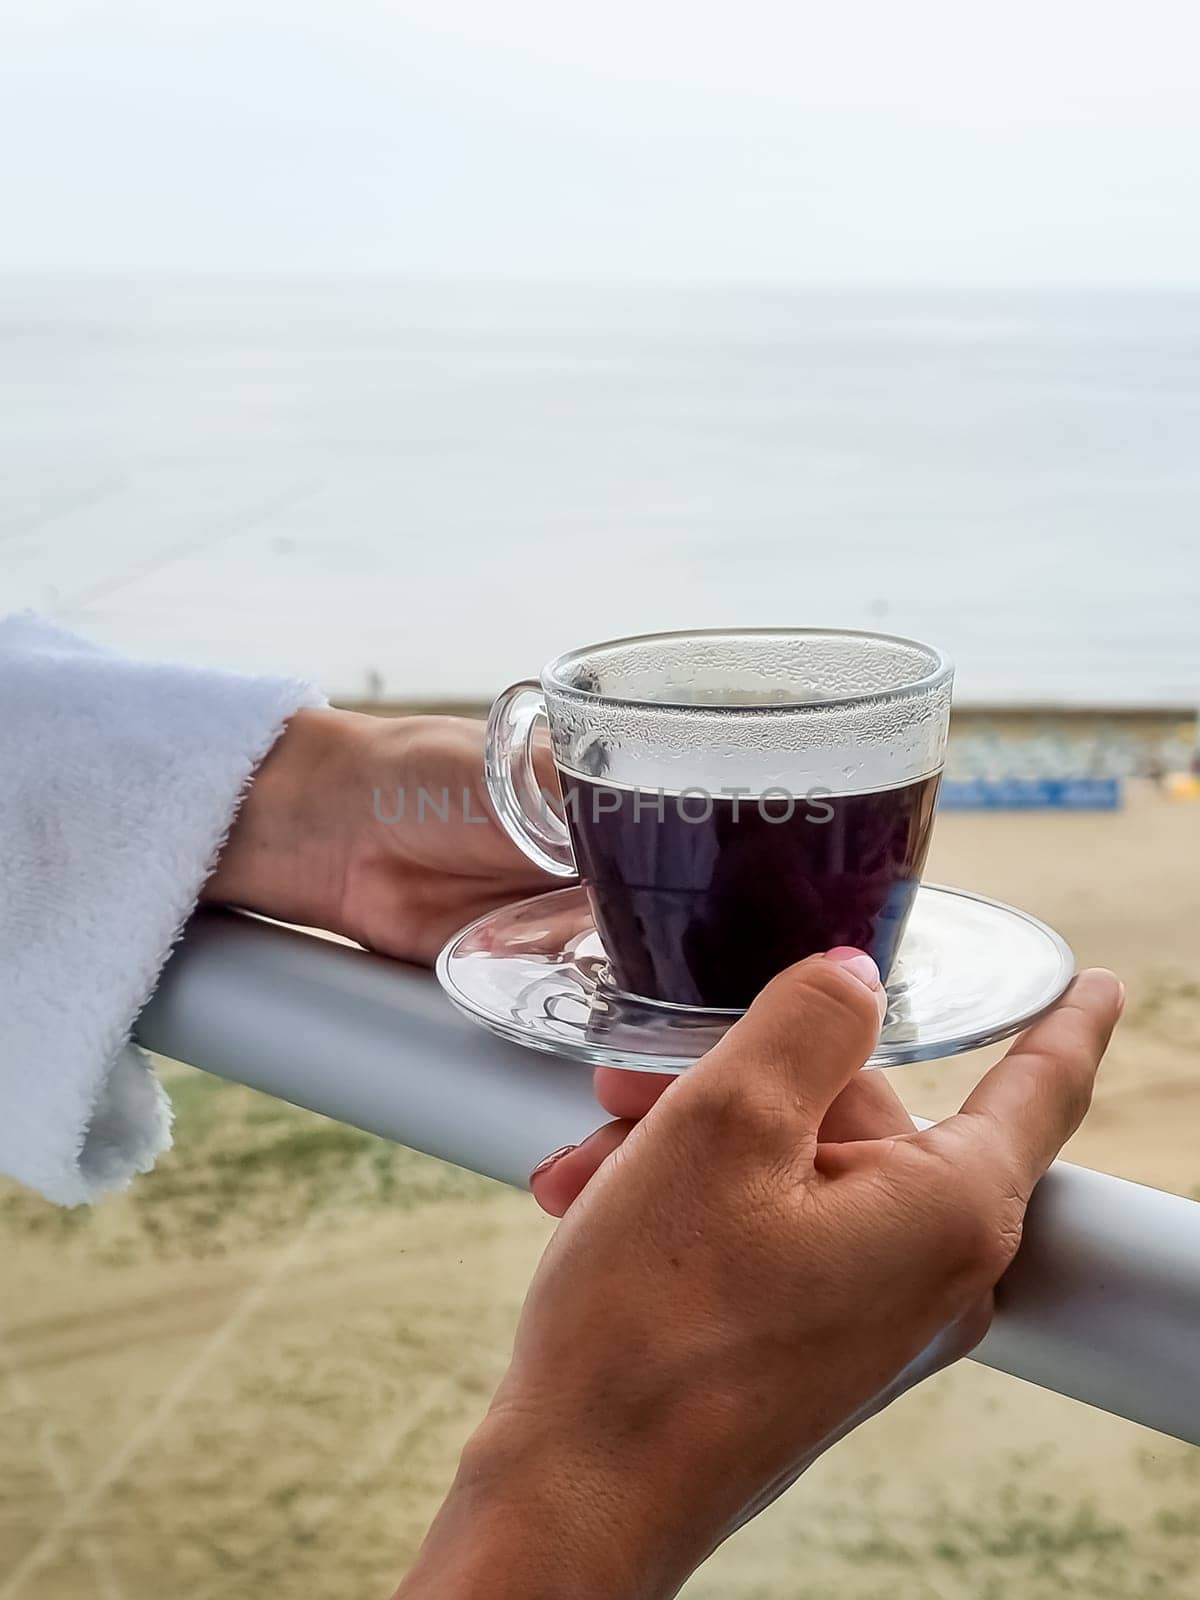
{"x":466,"y":278}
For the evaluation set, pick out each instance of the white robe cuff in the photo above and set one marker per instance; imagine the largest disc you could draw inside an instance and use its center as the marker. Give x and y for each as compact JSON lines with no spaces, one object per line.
{"x":119,"y":780}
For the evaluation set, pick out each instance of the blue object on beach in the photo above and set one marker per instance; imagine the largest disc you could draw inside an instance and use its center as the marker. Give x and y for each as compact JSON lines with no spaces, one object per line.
{"x":1030,"y":794}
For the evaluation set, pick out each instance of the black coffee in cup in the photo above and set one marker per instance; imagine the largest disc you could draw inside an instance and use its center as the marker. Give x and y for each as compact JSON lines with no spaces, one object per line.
{"x":701,"y":899}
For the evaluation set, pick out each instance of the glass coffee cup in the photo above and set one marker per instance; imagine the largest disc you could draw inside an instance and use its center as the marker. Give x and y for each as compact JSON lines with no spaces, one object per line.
{"x":733,"y":800}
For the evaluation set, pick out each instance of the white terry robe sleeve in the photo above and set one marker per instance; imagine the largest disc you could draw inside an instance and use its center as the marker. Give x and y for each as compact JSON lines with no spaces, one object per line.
{"x":119,"y":780}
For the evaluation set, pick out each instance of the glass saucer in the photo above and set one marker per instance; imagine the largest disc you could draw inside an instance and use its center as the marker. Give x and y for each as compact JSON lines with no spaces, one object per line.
{"x":970,"y":971}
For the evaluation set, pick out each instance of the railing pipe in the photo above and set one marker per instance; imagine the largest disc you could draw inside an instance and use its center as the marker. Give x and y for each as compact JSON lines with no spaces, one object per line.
{"x":1102,"y":1303}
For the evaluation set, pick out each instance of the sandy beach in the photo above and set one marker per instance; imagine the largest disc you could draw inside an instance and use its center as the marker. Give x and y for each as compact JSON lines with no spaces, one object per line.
{"x":251,"y":1374}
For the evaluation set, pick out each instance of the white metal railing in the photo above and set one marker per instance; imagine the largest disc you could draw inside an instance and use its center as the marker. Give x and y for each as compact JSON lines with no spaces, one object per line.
{"x":1102,"y":1303}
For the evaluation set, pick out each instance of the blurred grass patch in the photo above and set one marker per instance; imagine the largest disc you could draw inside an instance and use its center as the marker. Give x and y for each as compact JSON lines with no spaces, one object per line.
{"x":998,"y":1541}
{"x":1169,"y":1008}
{"x":244,"y":1167}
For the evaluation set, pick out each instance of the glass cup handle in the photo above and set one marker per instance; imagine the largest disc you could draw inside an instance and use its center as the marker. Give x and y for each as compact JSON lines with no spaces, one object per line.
{"x":524,"y":811}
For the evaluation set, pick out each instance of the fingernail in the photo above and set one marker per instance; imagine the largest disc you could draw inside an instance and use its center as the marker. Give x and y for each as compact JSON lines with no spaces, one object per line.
{"x":859,"y":965}
{"x":547,"y":1162}
{"x":1120,"y":997}
{"x":856,"y":962}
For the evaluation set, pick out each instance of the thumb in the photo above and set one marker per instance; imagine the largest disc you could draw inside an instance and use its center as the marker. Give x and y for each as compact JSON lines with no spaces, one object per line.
{"x":805,"y":1036}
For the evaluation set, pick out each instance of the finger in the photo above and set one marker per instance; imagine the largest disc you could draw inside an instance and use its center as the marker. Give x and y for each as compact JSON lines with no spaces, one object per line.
{"x":803,"y":1039}
{"x":867,"y":1108}
{"x":1027,"y":1107}
{"x":544,"y":770}
{"x":558,"y":1181}
{"x":629,"y":1094}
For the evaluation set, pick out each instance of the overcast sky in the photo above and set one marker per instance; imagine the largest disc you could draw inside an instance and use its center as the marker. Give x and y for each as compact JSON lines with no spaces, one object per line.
{"x":942,"y":141}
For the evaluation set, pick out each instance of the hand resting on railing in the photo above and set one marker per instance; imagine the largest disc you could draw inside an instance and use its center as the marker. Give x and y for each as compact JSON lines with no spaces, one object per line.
{"x":753,"y":1260}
